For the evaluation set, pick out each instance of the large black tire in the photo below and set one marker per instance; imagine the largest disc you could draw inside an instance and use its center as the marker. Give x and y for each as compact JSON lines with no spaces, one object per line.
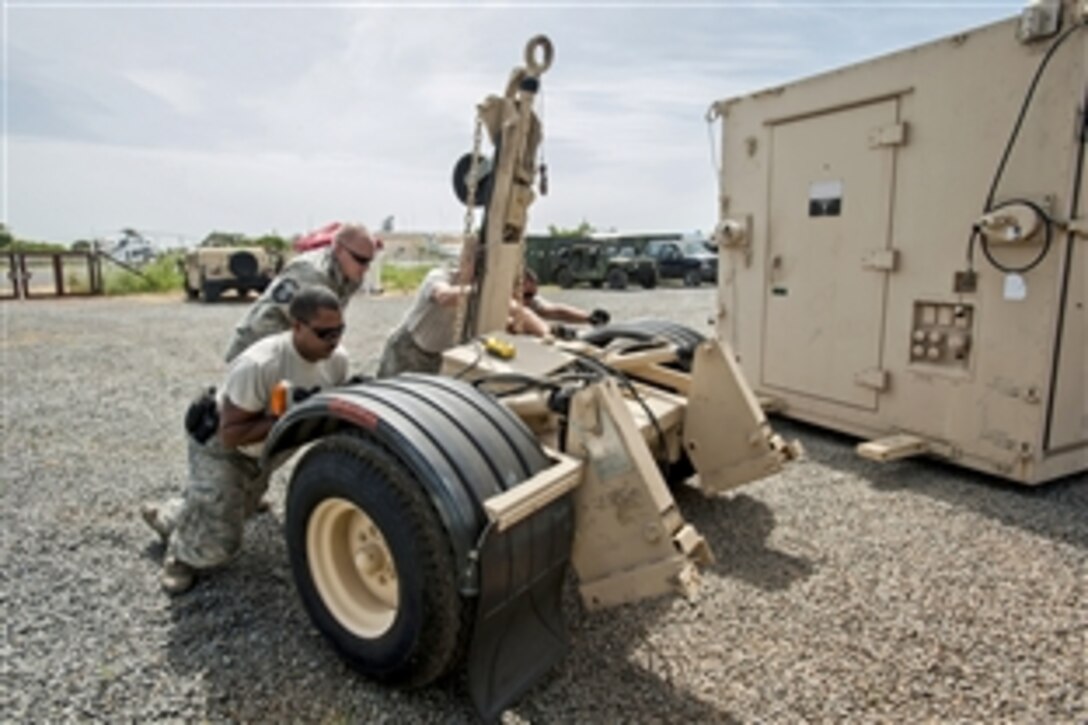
{"x":348,"y":494}
{"x":648,"y":278}
{"x":484,"y":179}
{"x":243,"y":265}
{"x":617,"y":278}
{"x":210,"y":290}
{"x":648,"y":329}
{"x":190,"y":292}
{"x":693,"y":278}
{"x":564,"y":277}
{"x":439,"y":448}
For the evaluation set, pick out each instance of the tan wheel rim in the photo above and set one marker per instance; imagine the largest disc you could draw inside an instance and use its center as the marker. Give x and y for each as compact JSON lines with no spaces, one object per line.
{"x":352,"y":567}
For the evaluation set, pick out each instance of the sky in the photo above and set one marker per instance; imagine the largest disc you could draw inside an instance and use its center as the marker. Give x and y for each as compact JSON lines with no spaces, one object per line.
{"x":180,"y":118}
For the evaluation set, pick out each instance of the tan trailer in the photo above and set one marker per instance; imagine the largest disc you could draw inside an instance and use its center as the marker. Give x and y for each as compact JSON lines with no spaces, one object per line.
{"x":432,"y":522}
{"x":905,"y":247}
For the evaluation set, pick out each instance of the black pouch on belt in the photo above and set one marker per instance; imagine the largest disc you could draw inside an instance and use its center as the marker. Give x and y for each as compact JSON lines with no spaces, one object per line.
{"x":202,"y":418}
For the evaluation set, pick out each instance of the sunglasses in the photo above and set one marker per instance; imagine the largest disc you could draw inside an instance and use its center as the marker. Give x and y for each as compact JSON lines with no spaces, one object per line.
{"x":327,"y":334}
{"x":359,"y":259}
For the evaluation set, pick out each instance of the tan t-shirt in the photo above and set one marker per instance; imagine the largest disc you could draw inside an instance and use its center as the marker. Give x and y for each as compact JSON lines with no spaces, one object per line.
{"x":256,"y":371}
{"x":430,"y":323}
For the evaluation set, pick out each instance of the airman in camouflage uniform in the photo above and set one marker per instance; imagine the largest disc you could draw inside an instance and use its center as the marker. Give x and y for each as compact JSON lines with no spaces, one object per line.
{"x":561,"y":313}
{"x":203,"y":528}
{"x":340,"y":267}
{"x":224,"y":489}
{"x":426,"y":330}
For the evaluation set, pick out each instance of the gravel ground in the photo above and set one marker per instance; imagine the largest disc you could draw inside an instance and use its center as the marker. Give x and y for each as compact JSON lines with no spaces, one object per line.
{"x":843,"y":590}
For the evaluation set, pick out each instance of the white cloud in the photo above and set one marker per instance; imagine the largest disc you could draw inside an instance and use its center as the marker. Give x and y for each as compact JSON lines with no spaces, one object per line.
{"x":247,"y":119}
{"x":178,"y":88}
{"x":191,"y":193}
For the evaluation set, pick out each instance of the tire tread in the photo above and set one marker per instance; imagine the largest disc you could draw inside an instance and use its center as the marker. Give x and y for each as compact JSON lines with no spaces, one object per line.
{"x":447,"y":616}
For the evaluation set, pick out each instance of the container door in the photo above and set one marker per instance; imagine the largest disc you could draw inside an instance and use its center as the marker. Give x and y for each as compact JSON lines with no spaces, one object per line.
{"x":830,"y":207}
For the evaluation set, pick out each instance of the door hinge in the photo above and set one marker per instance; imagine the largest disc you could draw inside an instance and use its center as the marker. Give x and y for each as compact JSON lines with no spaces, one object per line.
{"x":875,"y":378}
{"x":1078,"y":228}
{"x":884,"y":260}
{"x":893,"y":134}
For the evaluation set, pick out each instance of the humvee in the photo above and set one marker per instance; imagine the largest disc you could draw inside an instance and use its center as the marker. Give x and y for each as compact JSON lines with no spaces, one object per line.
{"x":209,"y":271}
{"x":598,"y":264}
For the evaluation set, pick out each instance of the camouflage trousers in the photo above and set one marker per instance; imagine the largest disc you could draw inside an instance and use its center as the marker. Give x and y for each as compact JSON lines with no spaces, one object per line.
{"x":402,"y":355}
{"x":224,"y":489}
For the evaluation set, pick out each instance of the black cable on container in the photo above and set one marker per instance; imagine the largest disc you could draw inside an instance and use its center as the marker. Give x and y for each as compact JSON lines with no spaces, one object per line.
{"x":1049,"y":225}
{"x":1000,"y":171}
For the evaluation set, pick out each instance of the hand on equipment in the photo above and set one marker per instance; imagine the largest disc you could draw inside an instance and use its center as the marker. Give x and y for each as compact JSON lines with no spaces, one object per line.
{"x":300,"y":394}
{"x":563,"y":332}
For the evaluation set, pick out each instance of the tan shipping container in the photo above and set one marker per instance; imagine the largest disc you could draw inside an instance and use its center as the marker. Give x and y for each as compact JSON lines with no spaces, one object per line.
{"x":906,"y":261}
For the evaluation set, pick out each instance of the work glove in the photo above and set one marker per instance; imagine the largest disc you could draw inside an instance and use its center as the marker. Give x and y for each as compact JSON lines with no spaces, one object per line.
{"x":599,"y":317}
{"x":300,"y":394}
{"x":563,"y":332}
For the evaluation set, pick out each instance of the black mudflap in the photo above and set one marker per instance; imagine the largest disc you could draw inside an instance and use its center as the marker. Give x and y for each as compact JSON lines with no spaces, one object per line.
{"x":519,"y":633}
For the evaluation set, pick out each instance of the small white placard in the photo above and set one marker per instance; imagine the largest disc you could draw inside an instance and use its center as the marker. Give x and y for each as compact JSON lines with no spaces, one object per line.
{"x":824,"y":190}
{"x":1015,"y":287}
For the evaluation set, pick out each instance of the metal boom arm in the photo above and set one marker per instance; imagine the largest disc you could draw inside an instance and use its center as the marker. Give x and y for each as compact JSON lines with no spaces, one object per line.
{"x":515,"y":131}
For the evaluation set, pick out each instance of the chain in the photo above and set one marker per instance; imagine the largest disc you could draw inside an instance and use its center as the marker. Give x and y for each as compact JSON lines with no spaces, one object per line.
{"x":473,"y":170}
{"x":468,"y":239}
{"x":543,"y":184}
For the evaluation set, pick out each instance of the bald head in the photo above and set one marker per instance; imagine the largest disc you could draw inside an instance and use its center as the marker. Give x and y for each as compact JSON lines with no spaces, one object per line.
{"x":354,"y":249}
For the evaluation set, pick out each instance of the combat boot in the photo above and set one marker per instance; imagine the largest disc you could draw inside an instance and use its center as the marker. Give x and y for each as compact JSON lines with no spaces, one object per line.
{"x":177,"y":577}
{"x":152,"y":515}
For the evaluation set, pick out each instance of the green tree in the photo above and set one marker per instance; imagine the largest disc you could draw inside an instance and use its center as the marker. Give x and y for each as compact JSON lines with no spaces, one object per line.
{"x":582,"y":230}
{"x":224,"y":239}
{"x":272,"y":243}
{"x":5,"y":236}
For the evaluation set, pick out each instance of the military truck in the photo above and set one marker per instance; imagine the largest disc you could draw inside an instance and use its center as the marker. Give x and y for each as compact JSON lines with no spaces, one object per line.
{"x":589,"y":261}
{"x":211,"y":271}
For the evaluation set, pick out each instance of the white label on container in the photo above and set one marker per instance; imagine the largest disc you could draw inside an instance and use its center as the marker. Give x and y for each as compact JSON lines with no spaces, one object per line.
{"x":1015,"y":287}
{"x":825,"y":198}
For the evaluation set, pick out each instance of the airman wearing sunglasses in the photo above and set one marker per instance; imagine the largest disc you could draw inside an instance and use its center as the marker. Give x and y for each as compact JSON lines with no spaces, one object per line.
{"x":556,"y":311}
{"x":203,"y":528}
{"x":339,"y":267}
